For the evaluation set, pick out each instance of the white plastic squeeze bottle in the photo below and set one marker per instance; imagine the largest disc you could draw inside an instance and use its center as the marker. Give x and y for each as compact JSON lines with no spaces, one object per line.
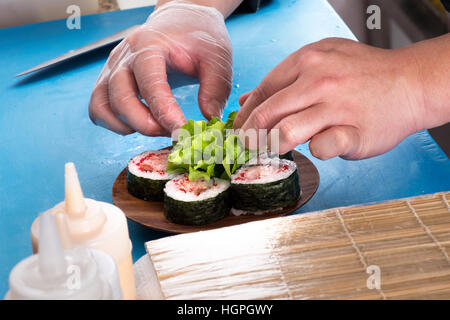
{"x":93,"y":224}
{"x":105,"y":263}
{"x":56,"y":273}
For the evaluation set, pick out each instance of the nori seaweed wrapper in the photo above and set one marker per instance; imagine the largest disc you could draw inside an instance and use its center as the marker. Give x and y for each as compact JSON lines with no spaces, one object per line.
{"x":144,"y":188}
{"x":266,"y":196}
{"x":288,"y":156}
{"x":197,"y":212}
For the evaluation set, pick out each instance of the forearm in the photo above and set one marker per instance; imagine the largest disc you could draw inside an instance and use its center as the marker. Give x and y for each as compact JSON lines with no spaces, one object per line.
{"x":226,"y":7}
{"x":433,"y":60}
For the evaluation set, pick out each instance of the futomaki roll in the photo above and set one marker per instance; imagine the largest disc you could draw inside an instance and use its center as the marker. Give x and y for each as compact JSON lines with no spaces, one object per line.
{"x":147,"y":175}
{"x":288,"y":156}
{"x":268,"y":185}
{"x":196,"y":202}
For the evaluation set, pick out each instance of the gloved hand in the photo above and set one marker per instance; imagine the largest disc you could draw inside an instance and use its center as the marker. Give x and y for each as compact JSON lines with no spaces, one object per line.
{"x":347,"y":98}
{"x":179,"y":35}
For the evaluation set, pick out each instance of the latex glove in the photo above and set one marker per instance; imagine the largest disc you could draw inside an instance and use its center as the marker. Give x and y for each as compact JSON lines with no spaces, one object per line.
{"x":180,"y":35}
{"x":347,"y":98}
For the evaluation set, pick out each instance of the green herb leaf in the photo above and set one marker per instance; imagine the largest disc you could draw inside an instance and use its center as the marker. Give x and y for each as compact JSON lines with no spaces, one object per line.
{"x":206,"y":149}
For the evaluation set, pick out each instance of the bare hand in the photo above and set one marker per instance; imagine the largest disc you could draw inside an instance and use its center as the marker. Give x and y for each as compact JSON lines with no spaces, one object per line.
{"x":347,"y":98}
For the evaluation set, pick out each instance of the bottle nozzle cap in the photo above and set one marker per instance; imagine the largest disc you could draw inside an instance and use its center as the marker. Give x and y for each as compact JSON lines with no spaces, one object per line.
{"x":75,"y":204}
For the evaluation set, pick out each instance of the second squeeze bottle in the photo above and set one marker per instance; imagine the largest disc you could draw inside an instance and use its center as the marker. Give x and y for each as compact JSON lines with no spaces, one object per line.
{"x":93,"y":224}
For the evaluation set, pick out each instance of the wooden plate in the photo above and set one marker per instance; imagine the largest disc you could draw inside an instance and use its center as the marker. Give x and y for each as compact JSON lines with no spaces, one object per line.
{"x":150,"y":214}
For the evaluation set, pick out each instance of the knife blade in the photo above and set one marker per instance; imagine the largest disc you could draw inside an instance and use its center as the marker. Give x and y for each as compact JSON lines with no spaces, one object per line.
{"x":116,"y":37}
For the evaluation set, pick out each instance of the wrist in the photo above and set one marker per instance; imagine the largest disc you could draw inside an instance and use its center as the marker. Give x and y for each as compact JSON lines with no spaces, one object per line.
{"x":406,"y":83}
{"x":415,"y":94}
{"x":432,"y":75}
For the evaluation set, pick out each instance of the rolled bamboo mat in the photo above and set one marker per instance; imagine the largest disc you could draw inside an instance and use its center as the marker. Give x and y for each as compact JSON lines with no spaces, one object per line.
{"x":394,"y":250}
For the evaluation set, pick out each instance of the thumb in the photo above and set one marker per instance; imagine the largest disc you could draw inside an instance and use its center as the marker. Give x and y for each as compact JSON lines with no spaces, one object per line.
{"x":215,"y":87}
{"x":343,"y":141}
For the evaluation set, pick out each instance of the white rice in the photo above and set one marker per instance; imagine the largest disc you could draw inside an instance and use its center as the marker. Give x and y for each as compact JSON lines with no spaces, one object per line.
{"x":267,"y":168}
{"x":134,"y":168}
{"x":215,"y":187}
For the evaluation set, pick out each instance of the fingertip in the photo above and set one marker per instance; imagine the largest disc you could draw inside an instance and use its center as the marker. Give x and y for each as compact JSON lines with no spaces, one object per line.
{"x":243,"y":98}
{"x":173,"y":124}
{"x":215,"y":87}
{"x":211,"y":108}
{"x":323,"y":146}
{"x":179,"y":124}
{"x":101,"y":123}
{"x":340,"y":141}
{"x":237,"y":124}
{"x":101,"y":114}
{"x":318,"y":151}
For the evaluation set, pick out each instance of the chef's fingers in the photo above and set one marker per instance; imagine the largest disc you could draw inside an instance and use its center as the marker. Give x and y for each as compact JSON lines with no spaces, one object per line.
{"x":279,"y":78}
{"x":343,"y":141}
{"x":116,"y":58}
{"x":125,"y":103}
{"x":305,"y":92}
{"x":215,"y":77}
{"x":101,"y":113}
{"x":289,"y":70}
{"x":149,"y":67}
{"x":300,"y":127}
{"x":243,"y":98}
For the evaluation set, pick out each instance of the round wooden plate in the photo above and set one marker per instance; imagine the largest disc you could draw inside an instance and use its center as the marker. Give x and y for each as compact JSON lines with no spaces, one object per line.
{"x":150,"y":214}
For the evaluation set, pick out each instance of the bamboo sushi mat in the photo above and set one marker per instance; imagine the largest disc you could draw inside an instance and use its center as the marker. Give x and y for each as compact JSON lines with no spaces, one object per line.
{"x":394,"y":250}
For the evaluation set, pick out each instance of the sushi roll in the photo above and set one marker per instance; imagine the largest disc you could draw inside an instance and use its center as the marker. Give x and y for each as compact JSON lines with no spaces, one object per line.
{"x":147,"y":175}
{"x":196,"y":202}
{"x":288,"y":156}
{"x":267,"y":185}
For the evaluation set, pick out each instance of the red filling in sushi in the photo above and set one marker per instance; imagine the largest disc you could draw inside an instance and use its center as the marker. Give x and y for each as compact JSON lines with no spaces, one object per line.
{"x":153,"y":162}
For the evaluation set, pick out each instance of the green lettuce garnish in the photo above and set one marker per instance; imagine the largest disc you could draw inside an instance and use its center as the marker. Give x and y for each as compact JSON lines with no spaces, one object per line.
{"x":207,"y":149}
